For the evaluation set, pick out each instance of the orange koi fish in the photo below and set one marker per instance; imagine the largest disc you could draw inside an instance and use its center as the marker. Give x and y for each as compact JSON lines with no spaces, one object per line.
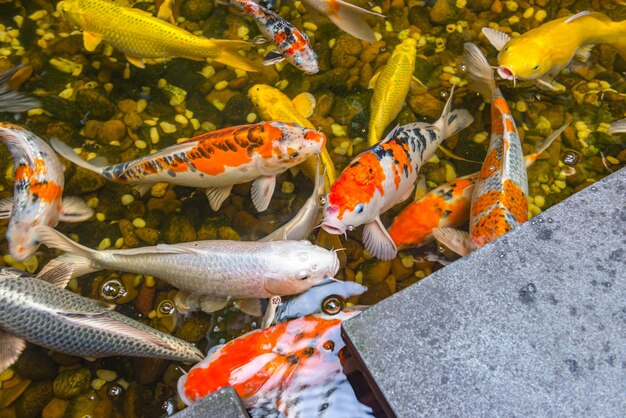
{"x":500,"y":198}
{"x":384,"y":175}
{"x":37,"y":193}
{"x":291,"y":369}
{"x":218,"y":160}
{"x":446,"y":206}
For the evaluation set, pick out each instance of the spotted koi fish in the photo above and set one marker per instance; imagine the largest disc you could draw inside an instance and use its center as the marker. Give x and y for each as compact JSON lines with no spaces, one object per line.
{"x":292,"y":369}
{"x":291,"y":44}
{"x":37,"y":193}
{"x":446,"y":206}
{"x":218,"y":160}
{"x":500,"y":198}
{"x":383,"y":176}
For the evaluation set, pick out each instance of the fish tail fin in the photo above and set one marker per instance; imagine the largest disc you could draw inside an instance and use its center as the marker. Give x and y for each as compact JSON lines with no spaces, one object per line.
{"x":349,"y":18}
{"x":618,"y":127}
{"x":229,"y":55}
{"x":479,"y":72}
{"x":80,"y":265}
{"x":68,"y":153}
{"x":54,"y":239}
{"x":452,"y":121}
{"x":13,"y":101}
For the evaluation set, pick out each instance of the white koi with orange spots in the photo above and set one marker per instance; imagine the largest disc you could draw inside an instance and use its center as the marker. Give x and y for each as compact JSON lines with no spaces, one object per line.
{"x":383,"y":176}
{"x":218,"y":160}
{"x":500,"y":198}
{"x":37,"y":193}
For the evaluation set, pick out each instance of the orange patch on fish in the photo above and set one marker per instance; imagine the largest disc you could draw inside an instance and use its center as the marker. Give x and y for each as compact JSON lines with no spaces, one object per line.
{"x":491,"y":164}
{"x":490,"y":226}
{"x":357,"y":184}
{"x":417,"y":221}
{"x":46,"y":190}
{"x":515,"y":201}
{"x":484,"y":202}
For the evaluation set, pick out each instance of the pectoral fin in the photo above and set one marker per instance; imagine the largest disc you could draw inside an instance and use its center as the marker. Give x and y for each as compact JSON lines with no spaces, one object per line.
{"x":258,"y":40}
{"x":59,"y":275}
{"x":210,"y":304}
{"x":417,"y":87}
{"x":547,"y":81}
{"x":262,"y":192}
{"x":217,"y":195}
{"x":377,"y":241}
{"x":373,"y":80}
{"x":142,"y":188}
{"x":304,"y":103}
{"x":455,"y":240}
{"x":91,"y":40}
{"x":10,"y":349}
{"x":75,"y":209}
{"x":137,"y":62}
{"x":273,"y":57}
{"x":583,"y":53}
{"x":249,"y":306}
{"x":6,"y":207}
{"x":497,"y":38}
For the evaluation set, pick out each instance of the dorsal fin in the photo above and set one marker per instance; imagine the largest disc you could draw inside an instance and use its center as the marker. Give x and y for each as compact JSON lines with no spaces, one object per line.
{"x":577,"y":16}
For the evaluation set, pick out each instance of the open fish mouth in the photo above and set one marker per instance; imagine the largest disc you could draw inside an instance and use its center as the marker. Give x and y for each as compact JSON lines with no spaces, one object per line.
{"x":506,"y":73}
{"x":333,"y":229}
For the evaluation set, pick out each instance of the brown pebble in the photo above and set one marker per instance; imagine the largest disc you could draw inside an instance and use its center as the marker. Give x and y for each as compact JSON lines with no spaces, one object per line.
{"x":133,"y":120}
{"x":238,"y":84}
{"x":112,"y":130}
{"x":127,"y":106}
{"x":145,"y":299}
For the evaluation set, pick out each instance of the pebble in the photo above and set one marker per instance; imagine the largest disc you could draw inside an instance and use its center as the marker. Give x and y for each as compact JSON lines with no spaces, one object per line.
{"x":141,"y":144}
{"x":139,"y":223}
{"x":168,"y":128}
{"x":127,"y":199}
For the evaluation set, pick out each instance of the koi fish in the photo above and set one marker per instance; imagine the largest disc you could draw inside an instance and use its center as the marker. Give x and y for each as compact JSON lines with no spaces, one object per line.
{"x":292,"y":369}
{"x":37,"y":193}
{"x":541,"y":53}
{"x":384,"y":175}
{"x":273,"y":104}
{"x":391,"y":85}
{"x":11,"y":100}
{"x":618,"y":127}
{"x":347,"y":17}
{"x":218,"y":160}
{"x":446,"y":206}
{"x":139,"y":35}
{"x":216,"y":270}
{"x":42,"y":312}
{"x":500,"y":198}
{"x":291,"y":44}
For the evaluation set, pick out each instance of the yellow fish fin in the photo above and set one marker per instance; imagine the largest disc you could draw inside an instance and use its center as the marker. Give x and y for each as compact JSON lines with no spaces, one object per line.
{"x":547,"y":81}
{"x":91,"y":40}
{"x":165,"y":12}
{"x":421,"y":189}
{"x":304,"y":103}
{"x":417,"y":87}
{"x":139,"y":12}
{"x":456,"y":157}
{"x":583,"y":53}
{"x":229,"y":55}
{"x":496,"y":38}
{"x":372,"y":82}
{"x":137,"y":62}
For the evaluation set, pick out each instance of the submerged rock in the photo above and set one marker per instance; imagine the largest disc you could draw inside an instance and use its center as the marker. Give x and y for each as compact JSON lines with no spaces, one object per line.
{"x":71,"y":383}
{"x":34,"y":399}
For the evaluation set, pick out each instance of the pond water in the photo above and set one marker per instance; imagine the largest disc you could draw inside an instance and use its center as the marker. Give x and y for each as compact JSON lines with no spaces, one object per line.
{"x":102,"y":106}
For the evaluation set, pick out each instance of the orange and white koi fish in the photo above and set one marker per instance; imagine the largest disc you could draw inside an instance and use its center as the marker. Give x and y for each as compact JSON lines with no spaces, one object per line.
{"x":541,"y":53}
{"x":446,"y":206}
{"x":37,"y":193}
{"x":500,"y":198}
{"x":347,"y":17}
{"x":140,"y":36}
{"x":384,"y":175}
{"x":218,"y":160}
{"x":293,"y":369}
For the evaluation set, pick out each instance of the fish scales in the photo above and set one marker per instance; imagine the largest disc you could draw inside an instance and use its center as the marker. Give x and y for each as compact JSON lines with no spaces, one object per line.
{"x":29,"y":309}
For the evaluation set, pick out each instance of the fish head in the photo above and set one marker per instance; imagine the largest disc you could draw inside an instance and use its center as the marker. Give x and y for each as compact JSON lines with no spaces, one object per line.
{"x":299,"y":265}
{"x":523,"y":59}
{"x":296,"y":144}
{"x":408,"y":47}
{"x":264,"y":96}
{"x":356,"y":197}
{"x":22,"y":241}
{"x":306,"y":60}
{"x":71,"y":11}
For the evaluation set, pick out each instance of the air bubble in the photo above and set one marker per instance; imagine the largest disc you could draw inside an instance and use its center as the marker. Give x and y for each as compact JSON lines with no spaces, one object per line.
{"x":112,"y":289}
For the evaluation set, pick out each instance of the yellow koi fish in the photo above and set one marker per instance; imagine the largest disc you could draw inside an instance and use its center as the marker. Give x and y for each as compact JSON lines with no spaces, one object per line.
{"x":274,"y":105}
{"x":541,"y":53}
{"x":391,"y":85}
{"x":139,"y":35}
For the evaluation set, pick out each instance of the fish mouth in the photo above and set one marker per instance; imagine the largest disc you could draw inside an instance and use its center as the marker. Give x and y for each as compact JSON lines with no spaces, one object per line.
{"x":333,"y":229}
{"x":506,"y":73}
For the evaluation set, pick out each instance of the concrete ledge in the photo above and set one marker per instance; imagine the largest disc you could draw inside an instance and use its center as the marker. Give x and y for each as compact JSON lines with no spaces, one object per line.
{"x":224,"y":403}
{"x":533,"y":324}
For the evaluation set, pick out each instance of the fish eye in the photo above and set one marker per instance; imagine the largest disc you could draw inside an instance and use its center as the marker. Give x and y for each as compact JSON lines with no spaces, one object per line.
{"x":333,"y":304}
{"x":536,"y":67}
{"x":303,"y":275}
{"x":321,"y":199}
{"x":359,"y":208}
